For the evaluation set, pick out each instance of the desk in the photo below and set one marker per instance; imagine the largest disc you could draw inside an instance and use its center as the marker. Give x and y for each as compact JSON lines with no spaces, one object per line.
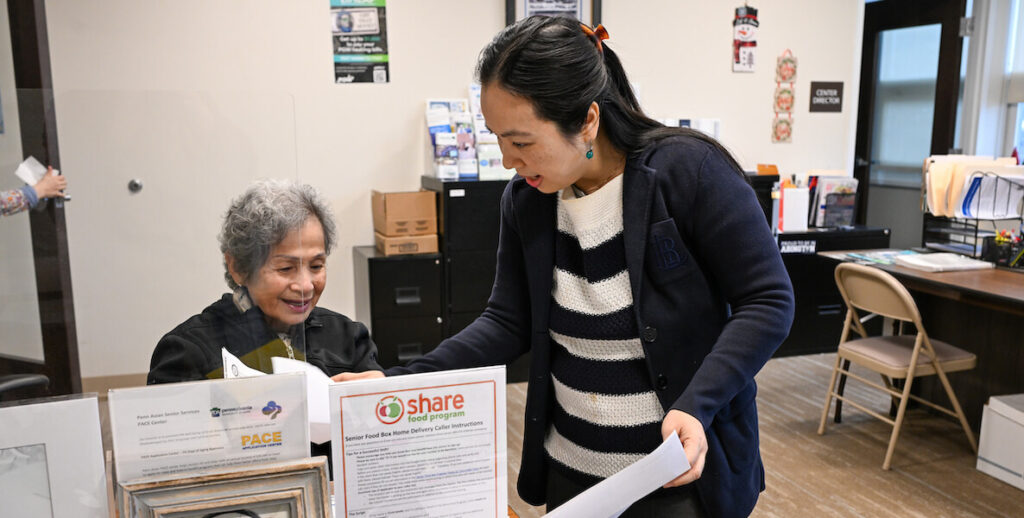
{"x":981,"y":311}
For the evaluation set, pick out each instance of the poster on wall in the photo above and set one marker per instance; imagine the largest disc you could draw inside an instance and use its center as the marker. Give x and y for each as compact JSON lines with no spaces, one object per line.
{"x":583,"y":10}
{"x":744,"y":39}
{"x":360,"y":40}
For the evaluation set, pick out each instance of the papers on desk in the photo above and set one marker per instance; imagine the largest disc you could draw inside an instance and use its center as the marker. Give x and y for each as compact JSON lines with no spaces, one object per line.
{"x":317,"y":386}
{"x":941,"y":262}
{"x":958,"y":186}
{"x":878,"y":256}
{"x":615,"y":494}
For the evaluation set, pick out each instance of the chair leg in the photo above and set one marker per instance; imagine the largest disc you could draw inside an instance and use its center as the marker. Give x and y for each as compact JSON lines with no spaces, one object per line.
{"x":828,"y":396}
{"x":893,"y":400}
{"x":898,"y":423}
{"x":956,"y":407}
{"x":839,"y":390}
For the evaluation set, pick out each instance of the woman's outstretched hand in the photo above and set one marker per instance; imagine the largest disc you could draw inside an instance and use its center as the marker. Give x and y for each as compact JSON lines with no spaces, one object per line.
{"x":354,"y":376}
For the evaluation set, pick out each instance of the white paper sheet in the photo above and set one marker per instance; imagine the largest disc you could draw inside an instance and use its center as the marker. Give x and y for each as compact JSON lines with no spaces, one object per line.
{"x":317,"y":386}
{"x":234,"y":368}
{"x":31,"y":171}
{"x":615,"y":494}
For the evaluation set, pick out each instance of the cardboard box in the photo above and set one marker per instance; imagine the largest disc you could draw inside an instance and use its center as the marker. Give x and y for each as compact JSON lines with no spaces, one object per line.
{"x":404,"y":213}
{"x":1001,"y":445}
{"x":389,"y":245}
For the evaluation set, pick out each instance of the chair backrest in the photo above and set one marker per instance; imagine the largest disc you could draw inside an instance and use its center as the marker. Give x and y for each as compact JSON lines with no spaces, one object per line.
{"x":875,"y":291}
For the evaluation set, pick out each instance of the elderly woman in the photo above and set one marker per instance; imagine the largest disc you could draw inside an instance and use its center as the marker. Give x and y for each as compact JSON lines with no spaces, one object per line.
{"x":275,"y":240}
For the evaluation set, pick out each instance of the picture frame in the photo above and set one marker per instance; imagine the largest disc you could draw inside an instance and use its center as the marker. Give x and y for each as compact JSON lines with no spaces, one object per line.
{"x":268,"y":490}
{"x":587,"y":11}
{"x":51,"y":458}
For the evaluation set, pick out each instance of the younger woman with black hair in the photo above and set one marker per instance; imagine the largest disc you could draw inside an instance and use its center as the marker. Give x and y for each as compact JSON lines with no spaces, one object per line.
{"x":636,"y":267}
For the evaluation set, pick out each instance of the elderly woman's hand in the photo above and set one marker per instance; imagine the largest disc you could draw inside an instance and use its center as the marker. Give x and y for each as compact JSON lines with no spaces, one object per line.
{"x":355,"y":376}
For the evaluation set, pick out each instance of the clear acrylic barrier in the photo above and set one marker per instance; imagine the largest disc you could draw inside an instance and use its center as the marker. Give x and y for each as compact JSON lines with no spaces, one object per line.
{"x":153,"y":173}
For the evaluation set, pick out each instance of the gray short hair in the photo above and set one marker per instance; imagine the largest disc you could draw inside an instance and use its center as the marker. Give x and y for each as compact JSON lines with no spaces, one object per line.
{"x":262,"y":216}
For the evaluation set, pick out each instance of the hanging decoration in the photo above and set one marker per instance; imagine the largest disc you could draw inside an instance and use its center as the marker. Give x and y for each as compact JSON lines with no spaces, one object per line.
{"x":744,"y":38}
{"x":785,"y":97}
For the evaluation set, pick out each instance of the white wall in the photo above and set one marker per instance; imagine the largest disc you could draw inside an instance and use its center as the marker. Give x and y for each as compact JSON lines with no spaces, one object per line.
{"x":19,"y":303}
{"x":197,"y":98}
{"x":679,"y":54}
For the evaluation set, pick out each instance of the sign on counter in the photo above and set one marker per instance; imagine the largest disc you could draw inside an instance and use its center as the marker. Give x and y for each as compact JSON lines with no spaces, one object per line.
{"x":421,"y":445}
{"x":185,"y":427}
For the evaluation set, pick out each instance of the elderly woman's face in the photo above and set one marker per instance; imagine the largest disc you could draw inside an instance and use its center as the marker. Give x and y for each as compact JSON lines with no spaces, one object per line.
{"x":289,"y":284}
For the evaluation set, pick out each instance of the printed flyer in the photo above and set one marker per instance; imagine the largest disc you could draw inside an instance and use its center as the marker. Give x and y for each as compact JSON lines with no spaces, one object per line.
{"x":360,"y":40}
{"x":184,"y":427}
{"x":424,"y":445}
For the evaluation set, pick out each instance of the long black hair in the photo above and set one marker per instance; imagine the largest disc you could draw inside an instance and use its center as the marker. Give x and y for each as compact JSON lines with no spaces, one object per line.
{"x":561,"y":70}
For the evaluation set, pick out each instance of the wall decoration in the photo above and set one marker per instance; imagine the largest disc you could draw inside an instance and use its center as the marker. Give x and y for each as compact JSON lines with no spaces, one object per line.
{"x":586,"y":11}
{"x":744,"y":38}
{"x":785,"y":98}
{"x":360,"y":39}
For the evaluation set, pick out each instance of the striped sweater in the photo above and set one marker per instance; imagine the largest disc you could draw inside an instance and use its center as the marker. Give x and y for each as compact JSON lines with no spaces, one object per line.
{"x":607,"y":414}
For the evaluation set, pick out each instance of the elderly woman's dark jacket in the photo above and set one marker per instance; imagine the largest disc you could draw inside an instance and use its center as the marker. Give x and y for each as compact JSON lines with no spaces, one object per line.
{"x":712,"y":298}
{"x":192,"y":351}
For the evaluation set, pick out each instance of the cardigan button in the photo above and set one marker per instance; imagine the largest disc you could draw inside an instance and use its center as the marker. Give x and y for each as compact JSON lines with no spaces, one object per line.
{"x":662,"y":382}
{"x":649,"y":334}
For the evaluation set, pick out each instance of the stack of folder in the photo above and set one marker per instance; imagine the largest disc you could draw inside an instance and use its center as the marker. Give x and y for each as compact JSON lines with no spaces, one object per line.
{"x":959,"y":186}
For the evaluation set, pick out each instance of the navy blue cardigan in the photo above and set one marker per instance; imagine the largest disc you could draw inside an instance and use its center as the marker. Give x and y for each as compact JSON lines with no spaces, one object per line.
{"x":712,"y":298}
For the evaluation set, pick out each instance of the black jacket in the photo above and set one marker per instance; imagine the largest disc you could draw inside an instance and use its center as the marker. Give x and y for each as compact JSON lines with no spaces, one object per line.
{"x":712,"y":298}
{"x":192,"y":350}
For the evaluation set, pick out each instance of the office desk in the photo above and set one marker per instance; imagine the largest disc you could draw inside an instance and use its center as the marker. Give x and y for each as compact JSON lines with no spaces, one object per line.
{"x":981,"y":311}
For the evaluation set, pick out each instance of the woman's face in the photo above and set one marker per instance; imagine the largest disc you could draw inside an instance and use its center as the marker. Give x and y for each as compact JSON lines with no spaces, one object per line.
{"x":287,"y":287}
{"x":534,"y":147}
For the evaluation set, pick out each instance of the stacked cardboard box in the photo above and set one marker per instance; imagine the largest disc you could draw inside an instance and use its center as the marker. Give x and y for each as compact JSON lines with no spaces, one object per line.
{"x":405,"y":222}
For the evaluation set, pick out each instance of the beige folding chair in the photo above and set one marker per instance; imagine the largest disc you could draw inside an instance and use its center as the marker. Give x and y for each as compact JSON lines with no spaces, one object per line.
{"x":894,"y":357}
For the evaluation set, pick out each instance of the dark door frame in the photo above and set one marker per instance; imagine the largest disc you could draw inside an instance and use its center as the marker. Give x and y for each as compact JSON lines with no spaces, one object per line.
{"x":896,"y":14}
{"x":38,"y":124}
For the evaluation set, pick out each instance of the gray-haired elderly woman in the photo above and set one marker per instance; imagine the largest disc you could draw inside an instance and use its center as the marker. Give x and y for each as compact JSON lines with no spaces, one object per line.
{"x":275,"y":240}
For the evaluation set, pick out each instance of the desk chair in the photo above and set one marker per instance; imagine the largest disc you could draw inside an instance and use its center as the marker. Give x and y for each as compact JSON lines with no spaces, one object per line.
{"x":10,"y":382}
{"x":894,"y":357}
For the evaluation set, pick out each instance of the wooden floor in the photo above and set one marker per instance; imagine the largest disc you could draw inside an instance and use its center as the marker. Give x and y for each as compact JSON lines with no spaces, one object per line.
{"x":840,"y":474}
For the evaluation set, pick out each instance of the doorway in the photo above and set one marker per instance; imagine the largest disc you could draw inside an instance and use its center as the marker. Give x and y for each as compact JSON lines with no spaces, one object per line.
{"x":909,"y":91}
{"x":37,"y":322}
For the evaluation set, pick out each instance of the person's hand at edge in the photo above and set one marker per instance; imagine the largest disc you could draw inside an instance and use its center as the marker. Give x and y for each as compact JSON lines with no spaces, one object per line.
{"x":355,"y":376}
{"x":50,"y":185}
{"x":695,"y":443}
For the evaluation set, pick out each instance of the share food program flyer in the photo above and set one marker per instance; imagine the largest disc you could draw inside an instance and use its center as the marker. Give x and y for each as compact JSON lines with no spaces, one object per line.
{"x":425,"y":445}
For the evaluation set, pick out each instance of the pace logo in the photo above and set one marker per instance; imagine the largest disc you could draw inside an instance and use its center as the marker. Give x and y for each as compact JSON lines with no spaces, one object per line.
{"x":215,"y":412}
{"x":389,"y":409}
{"x":272,"y":409}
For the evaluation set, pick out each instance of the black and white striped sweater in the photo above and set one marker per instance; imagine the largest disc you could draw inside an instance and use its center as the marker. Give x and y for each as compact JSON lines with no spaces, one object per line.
{"x":608,"y":415}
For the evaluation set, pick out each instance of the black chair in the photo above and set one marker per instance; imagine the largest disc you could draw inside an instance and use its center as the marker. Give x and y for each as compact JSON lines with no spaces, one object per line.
{"x":10,"y":382}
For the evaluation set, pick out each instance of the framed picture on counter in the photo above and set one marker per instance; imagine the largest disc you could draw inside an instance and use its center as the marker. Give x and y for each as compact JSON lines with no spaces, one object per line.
{"x":51,"y":458}
{"x":270,"y":490}
{"x":586,"y":11}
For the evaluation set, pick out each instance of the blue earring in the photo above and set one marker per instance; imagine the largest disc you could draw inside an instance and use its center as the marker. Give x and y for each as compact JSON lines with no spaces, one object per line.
{"x":590,"y":153}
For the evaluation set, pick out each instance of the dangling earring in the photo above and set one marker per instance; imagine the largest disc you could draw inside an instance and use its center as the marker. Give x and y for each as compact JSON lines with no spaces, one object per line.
{"x":240,"y":296}
{"x":590,"y":152}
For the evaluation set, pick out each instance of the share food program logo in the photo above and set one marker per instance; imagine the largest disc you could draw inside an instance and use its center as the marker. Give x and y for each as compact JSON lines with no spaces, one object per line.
{"x":390,"y":409}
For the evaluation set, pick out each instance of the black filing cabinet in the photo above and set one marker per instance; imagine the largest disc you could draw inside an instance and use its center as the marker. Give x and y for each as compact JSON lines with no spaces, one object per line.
{"x":820,"y":312}
{"x":400,"y":299}
{"x":468,"y":220}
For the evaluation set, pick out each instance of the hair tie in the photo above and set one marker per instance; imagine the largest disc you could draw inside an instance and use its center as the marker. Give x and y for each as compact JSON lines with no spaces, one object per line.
{"x":599,"y":33}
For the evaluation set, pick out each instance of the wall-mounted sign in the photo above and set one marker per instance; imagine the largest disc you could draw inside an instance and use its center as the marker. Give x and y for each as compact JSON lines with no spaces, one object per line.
{"x":826,"y":96}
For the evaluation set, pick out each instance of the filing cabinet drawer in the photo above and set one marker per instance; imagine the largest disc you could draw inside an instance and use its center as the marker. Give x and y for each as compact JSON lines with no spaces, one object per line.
{"x":402,"y":339}
{"x":405,"y":288}
{"x":470,"y":277}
